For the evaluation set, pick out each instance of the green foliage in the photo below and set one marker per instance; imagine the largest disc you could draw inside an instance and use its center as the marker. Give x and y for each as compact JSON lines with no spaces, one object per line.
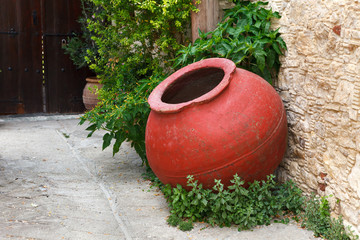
{"x":317,"y":215}
{"x":123,"y":115}
{"x":186,"y":226}
{"x":290,"y":197}
{"x":245,"y":207}
{"x":79,"y":45}
{"x":173,"y":220}
{"x":134,"y":40}
{"x":244,"y":36}
{"x":137,"y":37}
{"x":317,"y":218}
{"x":257,"y":204}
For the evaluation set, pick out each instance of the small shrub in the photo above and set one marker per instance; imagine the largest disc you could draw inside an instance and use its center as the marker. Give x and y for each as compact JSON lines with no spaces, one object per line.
{"x":122,"y":115}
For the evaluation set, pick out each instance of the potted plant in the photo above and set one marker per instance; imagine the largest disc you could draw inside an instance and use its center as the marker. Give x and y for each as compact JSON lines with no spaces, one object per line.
{"x":82,"y":51}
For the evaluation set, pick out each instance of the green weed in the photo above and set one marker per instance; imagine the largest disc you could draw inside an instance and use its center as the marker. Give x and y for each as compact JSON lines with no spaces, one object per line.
{"x":246,"y":207}
{"x":258,"y":204}
{"x":316,"y":217}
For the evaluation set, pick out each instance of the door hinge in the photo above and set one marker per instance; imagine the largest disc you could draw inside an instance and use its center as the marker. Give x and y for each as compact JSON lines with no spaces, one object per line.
{"x":11,"y":32}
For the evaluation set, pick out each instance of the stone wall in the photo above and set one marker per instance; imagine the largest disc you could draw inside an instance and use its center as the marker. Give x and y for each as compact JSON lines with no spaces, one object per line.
{"x":320,"y":84}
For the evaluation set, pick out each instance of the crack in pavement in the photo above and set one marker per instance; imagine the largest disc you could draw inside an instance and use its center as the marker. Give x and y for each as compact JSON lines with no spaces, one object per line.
{"x":112,"y":198}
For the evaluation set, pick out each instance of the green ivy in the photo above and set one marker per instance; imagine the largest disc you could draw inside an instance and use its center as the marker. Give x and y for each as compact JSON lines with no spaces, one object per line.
{"x":244,"y":36}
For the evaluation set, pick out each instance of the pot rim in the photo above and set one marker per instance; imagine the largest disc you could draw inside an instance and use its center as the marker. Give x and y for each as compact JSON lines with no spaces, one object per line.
{"x":155,"y":98}
{"x":93,"y":79}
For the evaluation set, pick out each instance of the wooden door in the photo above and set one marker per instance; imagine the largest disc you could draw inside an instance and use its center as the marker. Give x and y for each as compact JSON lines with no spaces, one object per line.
{"x":20,"y":57}
{"x":35,"y":74}
{"x":64,"y":82}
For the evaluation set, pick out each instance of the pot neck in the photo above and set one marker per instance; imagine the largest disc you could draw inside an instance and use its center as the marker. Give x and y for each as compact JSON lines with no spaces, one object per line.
{"x":194,"y":84}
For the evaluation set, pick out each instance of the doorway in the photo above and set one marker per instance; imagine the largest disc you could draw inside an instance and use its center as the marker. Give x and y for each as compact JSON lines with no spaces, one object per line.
{"x":35,"y":74}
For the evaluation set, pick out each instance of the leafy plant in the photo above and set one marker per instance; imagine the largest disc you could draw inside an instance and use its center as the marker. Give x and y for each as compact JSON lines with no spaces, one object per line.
{"x":317,"y":218}
{"x":244,"y":36}
{"x":290,"y":197}
{"x":135,"y":40}
{"x":258,"y":204}
{"x":317,"y":215}
{"x":122,"y":115}
{"x":245,"y":207}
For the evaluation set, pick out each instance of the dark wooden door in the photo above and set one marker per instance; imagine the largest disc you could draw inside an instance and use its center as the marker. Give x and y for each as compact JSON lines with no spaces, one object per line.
{"x":35,"y":74}
{"x":20,"y":57}
{"x":64,"y":82}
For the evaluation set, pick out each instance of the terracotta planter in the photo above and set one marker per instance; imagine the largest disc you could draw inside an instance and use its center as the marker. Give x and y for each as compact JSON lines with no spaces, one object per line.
{"x":213,"y":120}
{"x":89,"y":93}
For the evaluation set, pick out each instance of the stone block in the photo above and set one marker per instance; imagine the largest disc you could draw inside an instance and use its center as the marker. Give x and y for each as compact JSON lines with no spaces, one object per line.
{"x":354,"y":177}
{"x":344,"y":93}
{"x":350,"y":213}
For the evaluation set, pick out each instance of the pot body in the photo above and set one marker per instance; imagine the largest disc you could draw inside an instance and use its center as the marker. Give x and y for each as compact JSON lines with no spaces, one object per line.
{"x":238,"y":127}
{"x":89,"y":93}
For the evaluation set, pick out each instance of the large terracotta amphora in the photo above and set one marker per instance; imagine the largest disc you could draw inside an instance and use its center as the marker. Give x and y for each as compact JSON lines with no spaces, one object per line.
{"x":213,"y":120}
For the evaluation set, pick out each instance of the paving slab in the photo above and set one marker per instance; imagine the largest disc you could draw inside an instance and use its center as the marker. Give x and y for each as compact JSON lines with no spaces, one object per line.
{"x":55,"y":183}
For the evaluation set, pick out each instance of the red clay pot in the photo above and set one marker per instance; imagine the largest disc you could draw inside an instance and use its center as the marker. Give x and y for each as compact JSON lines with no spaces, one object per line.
{"x":213,"y":120}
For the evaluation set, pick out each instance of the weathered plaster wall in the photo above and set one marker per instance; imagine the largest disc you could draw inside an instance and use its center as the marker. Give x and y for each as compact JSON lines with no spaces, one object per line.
{"x":320,"y":85}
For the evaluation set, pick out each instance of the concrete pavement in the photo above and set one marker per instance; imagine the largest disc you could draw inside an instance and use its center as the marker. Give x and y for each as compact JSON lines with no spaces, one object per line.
{"x":57,"y":184}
